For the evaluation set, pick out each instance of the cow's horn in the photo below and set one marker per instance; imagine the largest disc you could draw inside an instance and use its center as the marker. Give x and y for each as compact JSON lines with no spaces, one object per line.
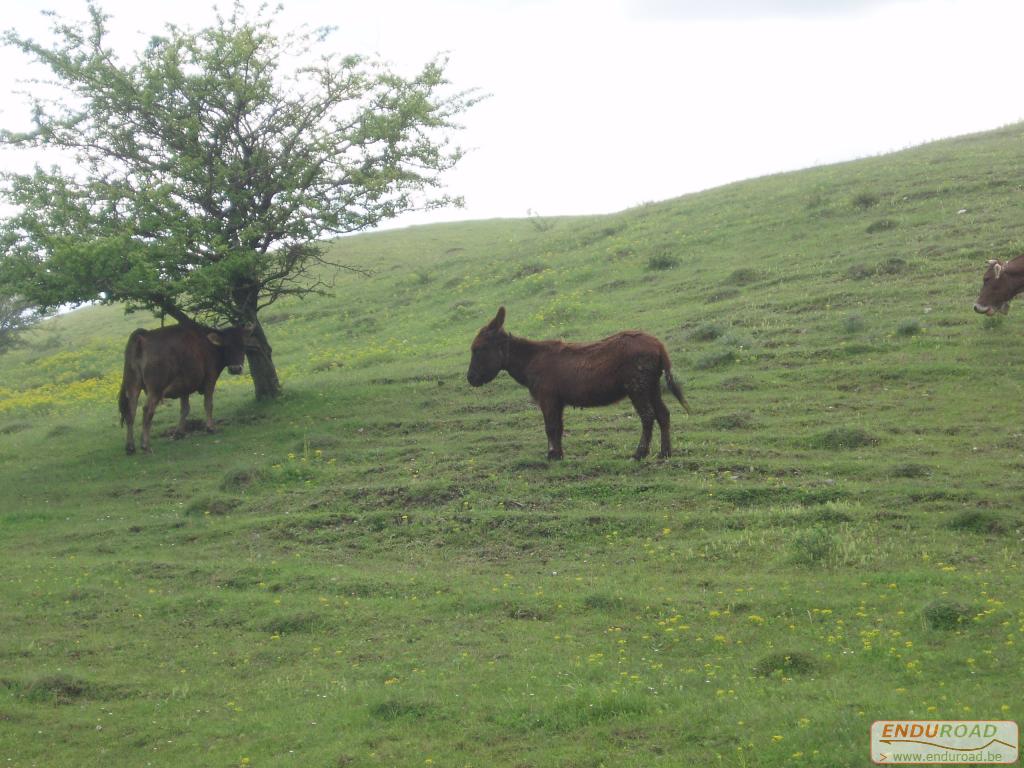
{"x":998,"y":269}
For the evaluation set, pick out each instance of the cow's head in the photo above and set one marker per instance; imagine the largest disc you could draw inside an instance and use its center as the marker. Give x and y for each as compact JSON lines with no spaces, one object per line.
{"x":489,"y":351}
{"x":232,"y":342}
{"x":998,"y":286}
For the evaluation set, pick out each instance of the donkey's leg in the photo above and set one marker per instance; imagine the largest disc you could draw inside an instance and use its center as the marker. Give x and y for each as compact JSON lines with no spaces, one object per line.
{"x":552,"y":410}
{"x":179,"y":431}
{"x":642,"y":403}
{"x":661,"y":414}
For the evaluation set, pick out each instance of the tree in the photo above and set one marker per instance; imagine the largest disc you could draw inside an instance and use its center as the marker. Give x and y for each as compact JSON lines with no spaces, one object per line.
{"x":16,"y":315}
{"x":210,"y":169}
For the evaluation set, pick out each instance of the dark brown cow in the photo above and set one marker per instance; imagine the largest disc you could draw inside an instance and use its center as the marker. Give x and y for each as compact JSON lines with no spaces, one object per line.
{"x":1002,"y":281}
{"x":628,"y":364}
{"x":175,"y":362}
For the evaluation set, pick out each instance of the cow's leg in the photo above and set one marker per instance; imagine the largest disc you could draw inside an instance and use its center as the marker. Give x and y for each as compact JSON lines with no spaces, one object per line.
{"x":208,"y":405}
{"x":661,"y":414}
{"x":152,"y":401}
{"x":179,"y":431}
{"x":129,"y":419}
{"x":552,"y":411}
{"x":642,"y":402}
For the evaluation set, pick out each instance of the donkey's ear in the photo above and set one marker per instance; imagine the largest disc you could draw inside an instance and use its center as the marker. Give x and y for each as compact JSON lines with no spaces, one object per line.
{"x":498,"y":321}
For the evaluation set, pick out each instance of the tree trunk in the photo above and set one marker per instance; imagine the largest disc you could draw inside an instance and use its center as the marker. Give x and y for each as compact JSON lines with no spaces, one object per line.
{"x":261,"y":366}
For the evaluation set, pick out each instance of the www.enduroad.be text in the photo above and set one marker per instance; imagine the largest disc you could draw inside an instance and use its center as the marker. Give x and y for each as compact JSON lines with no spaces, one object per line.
{"x":947,"y":757}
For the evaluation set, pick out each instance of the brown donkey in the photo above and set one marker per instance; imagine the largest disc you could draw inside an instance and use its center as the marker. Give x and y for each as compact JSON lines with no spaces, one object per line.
{"x":628,"y":364}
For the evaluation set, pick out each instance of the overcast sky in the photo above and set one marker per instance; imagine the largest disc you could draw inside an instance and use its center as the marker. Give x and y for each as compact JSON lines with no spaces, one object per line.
{"x":598,"y":105}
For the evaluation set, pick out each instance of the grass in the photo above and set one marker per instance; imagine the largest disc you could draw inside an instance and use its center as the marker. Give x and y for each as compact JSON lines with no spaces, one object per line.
{"x":382,"y":569}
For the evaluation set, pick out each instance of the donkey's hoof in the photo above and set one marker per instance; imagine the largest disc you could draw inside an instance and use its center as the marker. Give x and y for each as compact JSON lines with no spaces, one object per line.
{"x":177,"y":435}
{"x":129,"y":449}
{"x":210,"y":430}
{"x":554,"y":456}
{"x":664,"y":455}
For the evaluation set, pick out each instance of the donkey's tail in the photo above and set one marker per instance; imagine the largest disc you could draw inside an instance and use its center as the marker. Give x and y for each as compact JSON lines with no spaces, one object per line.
{"x":673,"y":387}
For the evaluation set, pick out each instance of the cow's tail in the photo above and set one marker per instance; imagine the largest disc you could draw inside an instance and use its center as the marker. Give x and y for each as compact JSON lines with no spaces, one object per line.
{"x":131,"y":372}
{"x":122,"y":402}
{"x":670,"y":382}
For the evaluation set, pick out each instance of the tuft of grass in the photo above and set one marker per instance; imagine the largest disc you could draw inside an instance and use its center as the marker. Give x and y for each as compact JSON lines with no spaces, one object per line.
{"x":532,"y":268}
{"x":945,"y":614}
{"x":219,"y":505}
{"x":241,"y":478}
{"x":993,"y":322}
{"x":882,"y":225}
{"x":893,"y":266}
{"x":524,"y":613}
{"x":327,"y":365}
{"x":843,"y":439}
{"x":816,"y":200}
{"x":716,"y":359}
{"x":854,"y":324}
{"x":706,"y":332}
{"x":731,"y":421}
{"x":977,"y":521}
{"x":601,"y":602}
{"x":722,"y":294}
{"x":815,"y":546}
{"x":864,"y":200}
{"x":786,"y":664}
{"x":743,"y":276}
{"x":860,"y":272}
{"x":398,"y":709}
{"x":738,"y":384}
{"x":766,"y":495}
{"x":908,"y":328}
{"x":317,"y":446}
{"x":58,"y":689}
{"x":910,"y":469}
{"x":661,"y":262}
{"x":829,"y":514}
{"x":296,"y":623}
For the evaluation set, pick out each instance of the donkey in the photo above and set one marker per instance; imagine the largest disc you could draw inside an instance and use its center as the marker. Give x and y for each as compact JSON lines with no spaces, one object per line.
{"x":628,"y":364}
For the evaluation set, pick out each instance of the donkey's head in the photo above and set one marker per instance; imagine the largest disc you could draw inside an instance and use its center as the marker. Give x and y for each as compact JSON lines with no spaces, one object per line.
{"x":489,"y":351}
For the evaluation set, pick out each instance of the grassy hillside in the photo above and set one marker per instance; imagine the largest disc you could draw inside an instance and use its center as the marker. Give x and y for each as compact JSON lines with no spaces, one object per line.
{"x":383,"y":570}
